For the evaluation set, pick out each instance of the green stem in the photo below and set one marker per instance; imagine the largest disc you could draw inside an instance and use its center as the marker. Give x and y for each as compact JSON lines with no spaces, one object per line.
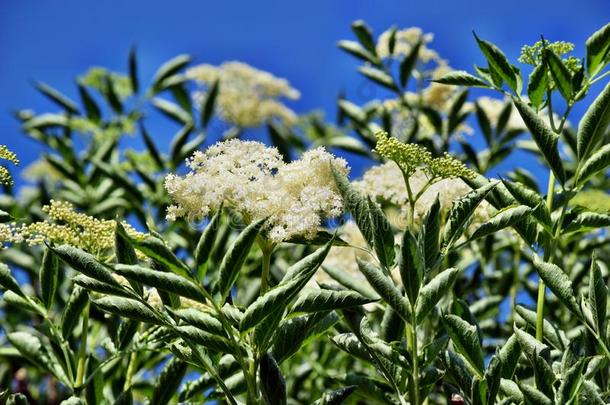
{"x":131,"y":368}
{"x":82,"y":353}
{"x":547,"y":252}
{"x":414,"y":392}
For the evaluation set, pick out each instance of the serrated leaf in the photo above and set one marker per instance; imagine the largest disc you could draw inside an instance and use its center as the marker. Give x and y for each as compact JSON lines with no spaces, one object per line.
{"x":57,"y":97}
{"x":208,"y":341}
{"x":462,"y":212}
{"x":560,"y":73}
{"x":431,"y":293}
{"x":73,"y":310}
{"x":379,"y":77}
{"x":460,"y":78}
{"x":168,"y":381}
{"x":537,"y":85}
{"x":200,"y":319}
{"x":551,"y":332}
{"x":327,"y":300}
{"x":534,"y":397}
{"x":509,"y":355}
{"x":32,"y":348}
{"x":278,"y":297}
{"x":347,"y":280}
{"x":598,"y":47}
{"x":530,"y":346}
{"x":411,"y":266}
{"x":236,"y":255}
{"x":559,"y":283}
{"x":168,"y":69}
{"x":173,"y":111}
{"x":594,"y":124}
{"x":498,"y":61}
{"x":430,"y":235}
{"x":161,"y":280}
{"x":598,"y":297}
{"x":408,"y":63}
{"x":273,"y":385}
{"x":336,"y":397}
{"x":385,"y":288}
{"x":205,"y":245}
{"x":598,"y":161}
{"x":465,"y":338}
{"x":92,"y":284}
{"x":544,"y":137}
{"x":586,"y":221}
{"x":84,"y":262}
{"x":8,"y":281}
{"x":530,"y":198}
{"x":501,"y":220}
{"x":293,"y":333}
{"x":127,"y":308}
{"x":158,"y":251}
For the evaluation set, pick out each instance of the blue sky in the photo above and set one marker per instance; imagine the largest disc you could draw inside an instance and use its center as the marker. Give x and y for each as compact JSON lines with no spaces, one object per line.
{"x":53,"y":41}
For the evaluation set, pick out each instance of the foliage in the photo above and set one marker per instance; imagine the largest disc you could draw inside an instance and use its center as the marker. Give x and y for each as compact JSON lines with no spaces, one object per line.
{"x":442,"y":284}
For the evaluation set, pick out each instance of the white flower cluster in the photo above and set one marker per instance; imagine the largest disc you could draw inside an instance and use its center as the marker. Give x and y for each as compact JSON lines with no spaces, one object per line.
{"x":385,"y":183}
{"x":254,"y":180}
{"x":247,"y":97}
{"x":405,"y":40}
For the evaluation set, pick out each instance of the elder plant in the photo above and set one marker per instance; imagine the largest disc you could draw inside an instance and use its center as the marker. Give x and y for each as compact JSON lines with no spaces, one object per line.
{"x":440,"y":285}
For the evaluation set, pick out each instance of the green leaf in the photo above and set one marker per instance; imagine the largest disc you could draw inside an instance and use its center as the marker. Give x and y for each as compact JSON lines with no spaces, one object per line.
{"x":133,"y":70}
{"x":293,"y":333}
{"x":207,"y":106}
{"x":124,"y":251}
{"x":498,"y":61}
{"x":561,"y":74}
{"x":551,"y":332}
{"x":465,"y":338}
{"x":73,"y":310}
{"x":544,"y":137}
{"x":278,"y":297}
{"x":534,"y":397}
{"x":460,"y":78}
{"x":58,"y":98}
{"x":200,"y":319}
{"x":209,"y":341}
{"x":364,"y":35}
{"x":598,"y":161}
{"x":111,"y":96}
{"x":172,"y":111}
{"x":355,"y":49}
{"x":530,"y":198}
{"x":157,"y":250}
{"x":378,"y":76}
{"x":586,"y":221}
{"x":430,"y":235}
{"x":501,"y":220}
{"x":347,"y":280}
{"x":8,"y":281}
{"x":598,"y":297}
{"x":598,"y":47}
{"x":462,"y":212}
{"x":127,"y":308}
{"x":177,"y":144}
{"x":593,"y":125}
{"x":430,"y":294}
{"x":205,"y":245}
{"x":168,"y":69}
{"x":537,"y":85}
{"x":493,"y":376}
{"x":484,"y":123}
{"x":273,"y":385}
{"x":509,"y":355}
{"x":16,"y":399}
{"x":49,"y":273}
{"x":84,"y":262}
{"x":32,"y":348}
{"x":91,"y":108}
{"x":317,"y":300}
{"x":559,"y":283}
{"x":24,"y":303}
{"x":411,"y":266}
{"x":408,"y":63}
{"x":336,"y":397}
{"x":385,"y":288}
{"x":168,"y":381}
{"x":236,"y":255}
{"x":92,"y":284}
{"x":161,"y":280}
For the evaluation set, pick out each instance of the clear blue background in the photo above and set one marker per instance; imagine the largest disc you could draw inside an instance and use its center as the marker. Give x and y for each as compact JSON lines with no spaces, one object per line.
{"x":53,"y":41}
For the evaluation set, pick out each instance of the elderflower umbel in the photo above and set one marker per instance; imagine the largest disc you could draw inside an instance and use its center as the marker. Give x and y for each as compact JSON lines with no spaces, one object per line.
{"x":65,"y":225}
{"x":254,"y":180}
{"x":247,"y":97}
{"x":5,"y":154}
{"x":404,"y":41}
{"x":410,"y":156}
{"x":385,"y":184}
{"x":532,"y":55}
